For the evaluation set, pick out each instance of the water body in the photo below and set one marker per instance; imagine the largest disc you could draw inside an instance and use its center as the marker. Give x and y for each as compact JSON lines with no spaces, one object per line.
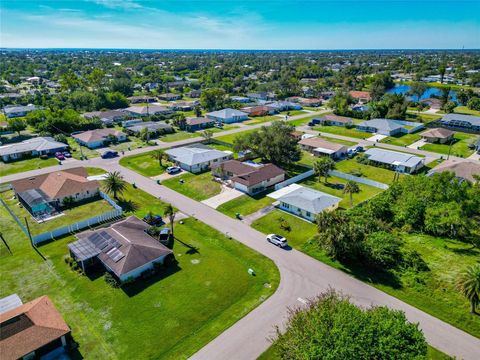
{"x":404,"y":89}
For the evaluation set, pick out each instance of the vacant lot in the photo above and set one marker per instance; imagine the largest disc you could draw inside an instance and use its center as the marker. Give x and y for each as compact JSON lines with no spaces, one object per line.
{"x":366,"y":192}
{"x":16,"y":167}
{"x":230,"y":137}
{"x":459,"y":148}
{"x":245,"y":205}
{"x":466,"y":110}
{"x":169,"y":316}
{"x":402,"y":140}
{"x":144,"y":164}
{"x":382,"y":175}
{"x":179,"y":135}
{"x":341,"y":130}
{"x":198,"y":187}
{"x":263,"y":119}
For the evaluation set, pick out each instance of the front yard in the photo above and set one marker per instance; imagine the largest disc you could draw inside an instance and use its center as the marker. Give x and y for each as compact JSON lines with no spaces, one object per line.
{"x":169,"y":316}
{"x":351,"y":166}
{"x":245,"y":205}
{"x":19,"y":166}
{"x":230,"y":137}
{"x":402,"y":140}
{"x":77,"y":154}
{"x":341,"y":130}
{"x":198,"y":187}
{"x":459,"y":148}
{"x":144,"y":164}
{"x":178,"y":135}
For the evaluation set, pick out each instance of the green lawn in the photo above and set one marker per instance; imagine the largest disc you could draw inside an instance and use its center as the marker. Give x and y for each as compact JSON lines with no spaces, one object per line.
{"x":466,"y":110}
{"x":95,"y":171}
{"x":366,"y":191}
{"x":179,"y":135}
{"x":424,"y":118}
{"x":245,"y":205}
{"x":294,"y":112}
{"x":144,"y":164}
{"x":341,"y":130}
{"x":19,"y":166}
{"x":169,"y":316}
{"x":230,"y":137}
{"x":225,"y":127}
{"x":76,"y":213}
{"x":132,"y":143}
{"x":382,"y":175}
{"x":75,"y":150}
{"x":198,"y":187}
{"x":262,"y":119}
{"x":339,"y":141}
{"x":402,"y":140}
{"x":459,"y":148}
{"x":298,"y":234}
{"x":223,"y":147}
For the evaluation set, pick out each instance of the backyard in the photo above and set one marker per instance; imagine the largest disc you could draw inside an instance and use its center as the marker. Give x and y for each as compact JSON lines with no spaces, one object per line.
{"x":351,"y":166}
{"x":198,"y":187}
{"x":459,"y":148}
{"x":185,"y":306}
{"x":19,"y":166}
{"x":144,"y":164}
{"x":245,"y":205}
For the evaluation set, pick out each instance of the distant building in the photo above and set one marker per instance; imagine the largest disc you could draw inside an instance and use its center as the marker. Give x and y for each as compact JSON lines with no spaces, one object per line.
{"x":35,"y":330}
{"x":464,"y":170}
{"x":320,"y":147}
{"x":106,"y":117}
{"x":198,"y":123}
{"x":261,"y":110}
{"x":141,"y":99}
{"x":154,"y":128}
{"x":332,"y":119}
{"x":99,"y":137}
{"x":197,"y":157}
{"x":194,"y":94}
{"x":125,"y":249}
{"x":438,"y":135}
{"x":433,"y":103}
{"x":12,"y":111}
{"x":461,"y":122}
{"x":240,"y":99}
{"x":227,"y":116}
{"x":401,"y":162}
{"x":389,"y":127}
{"x":31,"y":148}
{"x":311,"y":102}
{"x":148,"y":110}
{"x":362,"y":97}
{"x":170,"y":97}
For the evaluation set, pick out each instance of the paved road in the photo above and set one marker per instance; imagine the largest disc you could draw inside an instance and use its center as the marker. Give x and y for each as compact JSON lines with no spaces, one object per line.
{"x":302,"y":277}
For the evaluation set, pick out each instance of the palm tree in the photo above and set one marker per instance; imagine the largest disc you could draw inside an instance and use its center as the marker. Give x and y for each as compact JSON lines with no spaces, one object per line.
{"x":170,"y":212}
{"x":207,"y":135}
{"x":159,"y":155}
{"x":323,"y":166}
{"x":115,"y":184}
{"x":469,"y":285}
{"x":351,"y":187}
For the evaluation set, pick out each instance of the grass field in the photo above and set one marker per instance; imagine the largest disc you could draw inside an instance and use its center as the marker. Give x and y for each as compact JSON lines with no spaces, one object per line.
{"x":424,"y":118}
{"x":230,"y":137}
{"x":16,"y":167}
{"x":179,"y":135}
{"x":263,"y":119}
{"x":366,"y":192}
{"x":169,"y":316}
{"x":198,"y":187}
{"x":144,"y":164}
{"x":294,"y":112}
{"x":75,"y":150}
{"x":76,"y":213}
{"x":403,"y":140}
{"x":466,"y":110}
{"x":245,"y":205}
{"x":368,"y":171}
{"x":459,"y":148}
{"x":340,"y":130}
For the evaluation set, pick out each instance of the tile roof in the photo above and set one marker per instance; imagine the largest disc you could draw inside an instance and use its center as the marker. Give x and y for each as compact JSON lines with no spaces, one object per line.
{"x":317,"y":142}
{"x":310,"y":200}
{"x":336,"y":118}
{"x":58,"y":184}
{"x":198,"y":121}
{"x":29,"y":327}
{"x":438,"y":133}
{"x":360,"y":94}
{"x":461,"y":169}
{"x":97,"y":135}
{"x":33,"y":144}
{"x":249,"y":175}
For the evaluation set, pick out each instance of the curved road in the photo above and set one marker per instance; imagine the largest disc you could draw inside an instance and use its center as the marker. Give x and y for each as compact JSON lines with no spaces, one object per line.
{"x":302,"y":277}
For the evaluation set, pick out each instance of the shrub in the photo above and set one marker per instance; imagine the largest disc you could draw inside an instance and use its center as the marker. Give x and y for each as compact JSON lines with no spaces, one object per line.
{"x":413,"y":261}
{"x":112,"y":281}
{"x":381,"y":250}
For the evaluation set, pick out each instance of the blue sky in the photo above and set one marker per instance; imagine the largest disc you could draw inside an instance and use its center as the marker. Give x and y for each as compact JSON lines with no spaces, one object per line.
{"x":248,"y":24}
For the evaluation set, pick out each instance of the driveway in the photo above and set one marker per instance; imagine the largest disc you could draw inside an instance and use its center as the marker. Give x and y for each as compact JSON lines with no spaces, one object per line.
{"x":166,"y":176}
{"x":475,"y":156}
{"x":258,"y":214}
{"x":417,"y":144}
{"x":226,"y":195}
{"x":376,"y":138}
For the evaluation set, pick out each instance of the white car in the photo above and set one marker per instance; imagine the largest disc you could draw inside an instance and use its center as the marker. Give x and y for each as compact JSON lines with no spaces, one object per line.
{"x":277,"y":240}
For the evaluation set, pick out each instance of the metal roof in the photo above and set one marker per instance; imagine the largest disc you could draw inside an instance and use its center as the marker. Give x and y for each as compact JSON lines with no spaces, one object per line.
{"x":392,"y":157}
{"x":310,"y":200}
{"x":195,"y":154}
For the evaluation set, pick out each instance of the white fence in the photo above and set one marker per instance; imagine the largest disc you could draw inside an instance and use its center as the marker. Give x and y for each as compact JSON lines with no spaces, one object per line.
{"x":294,"y":179}
{"x":359,"y":179}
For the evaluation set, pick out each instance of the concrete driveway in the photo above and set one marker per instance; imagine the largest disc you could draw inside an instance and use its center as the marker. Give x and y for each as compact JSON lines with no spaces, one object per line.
{"x":376,"y":138}
{"x":226,"y":195}
{"x":417,"y":144}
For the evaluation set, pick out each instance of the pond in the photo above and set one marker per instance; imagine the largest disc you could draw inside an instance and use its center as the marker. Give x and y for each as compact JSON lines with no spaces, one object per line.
{"x":404,"y":89}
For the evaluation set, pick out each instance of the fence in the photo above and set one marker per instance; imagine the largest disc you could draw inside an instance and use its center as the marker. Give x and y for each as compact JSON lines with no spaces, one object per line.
{"x":70,"y":228}
{"x":359,"y":179}
{"x":294,"y":179}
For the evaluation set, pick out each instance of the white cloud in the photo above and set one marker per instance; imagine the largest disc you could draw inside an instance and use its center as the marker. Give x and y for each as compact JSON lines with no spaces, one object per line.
{"x":118,"y":4}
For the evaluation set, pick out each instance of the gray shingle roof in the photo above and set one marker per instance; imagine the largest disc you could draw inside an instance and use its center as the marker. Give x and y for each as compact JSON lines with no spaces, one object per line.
{"x":227,"y":113}
{"x":310,"y":200}
{"x":392,"y":157}
{"x":195,"y":154}
{"x":38,"y":144}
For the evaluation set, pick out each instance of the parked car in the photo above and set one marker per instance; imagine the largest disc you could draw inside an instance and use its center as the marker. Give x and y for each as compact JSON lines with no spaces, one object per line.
{"x":173,"y":169}
{"x":277,"y":240}
{"x":59,"y":156}
{"x":109,"y":154}
{"x":218,"y":125}
{"x":67,"y":154}
{"x":153,"y":219}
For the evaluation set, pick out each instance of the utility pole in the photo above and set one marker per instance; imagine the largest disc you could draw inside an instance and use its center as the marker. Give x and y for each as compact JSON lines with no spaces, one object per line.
{"x":8,"y":247}
{"x":29,"y":233}
{"x":450,"y":148}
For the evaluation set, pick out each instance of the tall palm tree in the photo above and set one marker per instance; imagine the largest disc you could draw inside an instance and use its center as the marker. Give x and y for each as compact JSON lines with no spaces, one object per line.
{"x":323,"y":166}
{"x":170,"y":212}
{"x":469,"y":285}
{"x":115,"y":184}
{"x":159,"y":155}
{"x":351,"y":187}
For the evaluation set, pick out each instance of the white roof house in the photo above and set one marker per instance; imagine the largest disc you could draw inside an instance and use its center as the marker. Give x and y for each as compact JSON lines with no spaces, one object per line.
{"x":35,"y":147}
{"x":197,"y":157}
{"x":227,"y":115}
{"x":402,"y":162}
{"x":389,"y":127}
{"x":306,"y":202}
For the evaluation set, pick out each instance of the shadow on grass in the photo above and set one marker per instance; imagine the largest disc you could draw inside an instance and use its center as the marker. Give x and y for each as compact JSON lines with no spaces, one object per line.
{"x":191,"y":249}
{"x":141,"y":284}
{"x":128,"y":205}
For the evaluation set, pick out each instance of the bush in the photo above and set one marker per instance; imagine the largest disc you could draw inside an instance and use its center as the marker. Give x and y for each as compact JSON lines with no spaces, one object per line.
{"x":112,"y":281}
{"x":411,"y":260}
{"x":381,"y":250}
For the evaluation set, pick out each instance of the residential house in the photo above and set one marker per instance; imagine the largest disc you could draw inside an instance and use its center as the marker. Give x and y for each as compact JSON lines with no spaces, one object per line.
{"x":296,"y":135}
{"x":35,"y":330}
{"x":335,"y":120}
{"x":99,"y":137}
{"x":401,"y":162}
{"x":433,"y":103}
{"x":310,"y":102}
{"x":198,"y":123}
{"x":170,"y":97}
{"x":320,"y":147}
{"x":249,"y":177}
{"x":240,"y":99}
{"x":12,"y":111}
{"x":154,"y":128}
{"x":228,"y":116}
{"x":197,"y":157}
{"x":106,"y":117}
{"x":141,"y":99}
{"x":305,"y":202}
{"x":362,"y":97}
{"x":438,"y":135}
{"x":256,"y":96}
{"x":261,"y":110}
{"x":44,"y":194}
{"x":461,"y":122}
{"x":148,"y":110}
{"x":124,"y":248}
{"x":463,"y":169}
{"x":195,"y":94}
{"x":36,"y":146}
{"x":389,"y":127}
{"x":280,"y":106}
